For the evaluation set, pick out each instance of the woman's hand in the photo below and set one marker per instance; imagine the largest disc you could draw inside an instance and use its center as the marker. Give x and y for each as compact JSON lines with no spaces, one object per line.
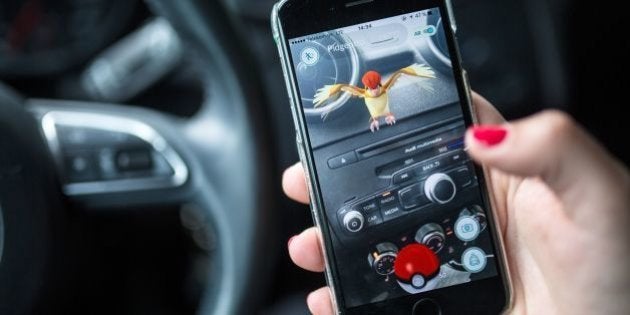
{"x":563,"y":205}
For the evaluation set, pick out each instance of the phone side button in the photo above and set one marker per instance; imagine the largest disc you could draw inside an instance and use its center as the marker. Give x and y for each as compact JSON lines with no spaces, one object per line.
{"x":471,"y":105}
{"x":298,"y":138}
{"x":426,"y":307}
{"x":451,"y":15}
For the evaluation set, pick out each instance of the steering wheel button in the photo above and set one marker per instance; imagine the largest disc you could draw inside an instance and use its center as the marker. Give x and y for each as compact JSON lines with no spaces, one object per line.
{"x":84,"y":137}
{"x":80,"y":167}
{"x":77,"y":136}
{"x":134,"y":160}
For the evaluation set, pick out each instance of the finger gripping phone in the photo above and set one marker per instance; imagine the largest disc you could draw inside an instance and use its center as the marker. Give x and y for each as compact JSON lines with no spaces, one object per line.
{"x":381,"y":104}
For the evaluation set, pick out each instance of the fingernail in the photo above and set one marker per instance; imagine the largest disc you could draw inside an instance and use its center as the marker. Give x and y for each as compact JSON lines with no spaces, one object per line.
{"x":291,"y":240}
{"x":489,"y":135}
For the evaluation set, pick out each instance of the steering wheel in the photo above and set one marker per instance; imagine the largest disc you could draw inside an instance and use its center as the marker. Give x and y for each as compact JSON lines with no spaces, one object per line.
{"x":217,"y":160}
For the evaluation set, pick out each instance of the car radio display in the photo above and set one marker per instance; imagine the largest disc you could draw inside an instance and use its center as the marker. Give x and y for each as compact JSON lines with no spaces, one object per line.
{"x":386,"y":129}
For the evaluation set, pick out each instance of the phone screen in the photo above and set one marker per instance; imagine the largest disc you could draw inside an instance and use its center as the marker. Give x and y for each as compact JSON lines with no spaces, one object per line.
{"x":385,"y":128}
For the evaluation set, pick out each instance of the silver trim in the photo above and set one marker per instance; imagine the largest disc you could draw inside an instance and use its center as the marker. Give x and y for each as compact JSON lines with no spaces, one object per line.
{"x":107,"y":122}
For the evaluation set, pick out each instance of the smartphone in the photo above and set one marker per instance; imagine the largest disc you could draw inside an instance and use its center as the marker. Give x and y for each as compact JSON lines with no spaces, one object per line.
{"x":381,"y":104}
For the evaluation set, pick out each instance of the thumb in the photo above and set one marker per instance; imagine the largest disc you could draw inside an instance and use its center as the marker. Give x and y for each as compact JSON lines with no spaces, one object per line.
{"x":551,"y":146}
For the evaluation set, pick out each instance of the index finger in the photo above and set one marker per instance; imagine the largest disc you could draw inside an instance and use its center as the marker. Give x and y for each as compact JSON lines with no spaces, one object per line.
{"x":294,"y":183}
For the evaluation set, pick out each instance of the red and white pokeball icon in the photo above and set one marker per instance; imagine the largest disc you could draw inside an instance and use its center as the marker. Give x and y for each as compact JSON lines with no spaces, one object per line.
{"x":416,"y":264}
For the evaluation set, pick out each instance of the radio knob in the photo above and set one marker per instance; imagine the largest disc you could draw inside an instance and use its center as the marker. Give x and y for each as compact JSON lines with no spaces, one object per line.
{"x":440,"y":188}
{"x":353,"y":221}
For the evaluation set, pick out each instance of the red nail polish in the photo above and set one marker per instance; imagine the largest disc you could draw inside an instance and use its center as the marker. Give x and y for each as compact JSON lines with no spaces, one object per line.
{"x":291,"y":240}
{"x":489,"y":135}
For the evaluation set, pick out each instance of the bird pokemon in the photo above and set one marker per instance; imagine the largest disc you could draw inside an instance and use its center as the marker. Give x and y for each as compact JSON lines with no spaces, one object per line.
{"x":375,"y":92}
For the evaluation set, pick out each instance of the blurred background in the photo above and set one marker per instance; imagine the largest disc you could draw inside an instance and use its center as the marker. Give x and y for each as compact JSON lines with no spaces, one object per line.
{"x":171,"y":128}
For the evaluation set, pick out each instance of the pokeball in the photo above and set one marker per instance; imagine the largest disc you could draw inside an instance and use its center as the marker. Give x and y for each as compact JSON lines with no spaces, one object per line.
{"x":416,"y":264}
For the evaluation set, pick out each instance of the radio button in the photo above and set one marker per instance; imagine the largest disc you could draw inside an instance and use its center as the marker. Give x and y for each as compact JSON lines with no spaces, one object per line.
{"x":457,"y":157}
{"x":403,"y":177}
{"x":391,"y":213}
{"x":388,"y":200}
{"x":463,"y":177}
{"x":373,"y":218}
{"x":368,"y":206}
{"x":412,"y":197}
{"x":430,"y":166}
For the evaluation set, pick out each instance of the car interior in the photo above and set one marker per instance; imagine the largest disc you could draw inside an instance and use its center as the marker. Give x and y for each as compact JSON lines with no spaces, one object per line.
{"x":142,"y":143}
